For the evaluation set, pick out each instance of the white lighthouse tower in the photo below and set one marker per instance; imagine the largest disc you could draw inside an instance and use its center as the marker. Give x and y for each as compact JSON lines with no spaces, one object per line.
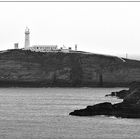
{"x":27,"y":38}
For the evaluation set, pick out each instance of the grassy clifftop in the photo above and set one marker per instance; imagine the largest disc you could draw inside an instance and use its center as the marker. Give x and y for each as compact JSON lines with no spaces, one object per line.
{"x":26,"y":68}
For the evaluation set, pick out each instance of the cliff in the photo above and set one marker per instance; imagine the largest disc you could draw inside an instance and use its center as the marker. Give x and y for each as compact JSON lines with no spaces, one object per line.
{"x":26,"y":68}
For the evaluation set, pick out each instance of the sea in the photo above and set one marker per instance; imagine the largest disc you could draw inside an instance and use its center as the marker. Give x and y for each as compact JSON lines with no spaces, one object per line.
{"x":36,"y":113}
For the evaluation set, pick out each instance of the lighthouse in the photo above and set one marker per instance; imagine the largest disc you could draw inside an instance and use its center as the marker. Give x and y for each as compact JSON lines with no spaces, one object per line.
{"x":27,"y":38}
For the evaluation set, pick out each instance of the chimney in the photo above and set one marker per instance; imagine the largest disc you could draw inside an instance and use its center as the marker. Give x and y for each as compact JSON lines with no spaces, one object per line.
{"x":75,"y":47}
{"x":16,"y":45}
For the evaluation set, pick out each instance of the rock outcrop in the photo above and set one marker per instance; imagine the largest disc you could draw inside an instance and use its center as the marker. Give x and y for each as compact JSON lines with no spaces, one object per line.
{"x":134,"y":86}
{"x":128,"y":108}
{"x":105,"y":108}
{"x":119,"y":94}
{"x":76,"y":69}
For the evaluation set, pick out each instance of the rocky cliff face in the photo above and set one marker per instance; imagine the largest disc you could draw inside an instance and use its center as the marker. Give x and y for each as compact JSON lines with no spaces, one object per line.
{"x":26,"y":68}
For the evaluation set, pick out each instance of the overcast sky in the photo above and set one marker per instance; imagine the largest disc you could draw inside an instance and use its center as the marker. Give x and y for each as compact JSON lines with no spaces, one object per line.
{"x":110,"y":28}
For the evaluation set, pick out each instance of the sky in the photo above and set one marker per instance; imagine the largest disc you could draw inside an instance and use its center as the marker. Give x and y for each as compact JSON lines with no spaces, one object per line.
{"x":103,"y":27}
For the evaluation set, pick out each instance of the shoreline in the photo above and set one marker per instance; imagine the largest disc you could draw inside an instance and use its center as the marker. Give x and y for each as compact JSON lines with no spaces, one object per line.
{"x":46,"y":85}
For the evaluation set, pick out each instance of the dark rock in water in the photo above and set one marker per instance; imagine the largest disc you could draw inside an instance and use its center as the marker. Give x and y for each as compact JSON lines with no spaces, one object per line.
{"x":118,"y":110}
{"x":105,"y":108}
{"x":134,"y":85}
{"x":120,"y":94}
{"x":133,"y":97}
{"x":128,"y":108}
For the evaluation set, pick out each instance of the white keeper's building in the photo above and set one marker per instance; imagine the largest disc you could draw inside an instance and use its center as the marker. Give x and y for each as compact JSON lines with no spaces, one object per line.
{"x":43,"y":48}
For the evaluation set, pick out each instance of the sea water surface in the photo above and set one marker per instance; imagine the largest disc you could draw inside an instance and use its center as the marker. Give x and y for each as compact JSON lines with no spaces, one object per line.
{"x":44,"y":113}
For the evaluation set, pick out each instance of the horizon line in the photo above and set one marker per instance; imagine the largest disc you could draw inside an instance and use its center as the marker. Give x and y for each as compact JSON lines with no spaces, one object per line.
{"x":66,"y":1}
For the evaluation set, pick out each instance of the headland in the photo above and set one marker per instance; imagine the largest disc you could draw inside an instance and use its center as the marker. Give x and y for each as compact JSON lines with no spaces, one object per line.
{"x":26,"y":68}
